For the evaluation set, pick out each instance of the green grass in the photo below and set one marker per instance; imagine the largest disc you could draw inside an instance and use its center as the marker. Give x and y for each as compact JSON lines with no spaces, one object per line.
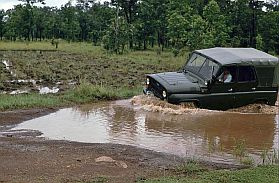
{"x":84,"y":93}
{"x":24,"y":45}
{"x":190,"y":168}
{"x":87,"y":92}
{"x":23,"y":101}
{"x":261,"y":174}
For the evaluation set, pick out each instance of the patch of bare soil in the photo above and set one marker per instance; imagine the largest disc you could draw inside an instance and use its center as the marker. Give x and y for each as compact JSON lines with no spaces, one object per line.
{"x":154,"y":104}
{"x":24,"y":160}
{"x":14,"y":117}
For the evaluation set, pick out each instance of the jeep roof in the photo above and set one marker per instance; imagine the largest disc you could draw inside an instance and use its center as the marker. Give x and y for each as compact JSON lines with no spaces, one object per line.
{"x":240,"y":56}
{"x":244,"y":56}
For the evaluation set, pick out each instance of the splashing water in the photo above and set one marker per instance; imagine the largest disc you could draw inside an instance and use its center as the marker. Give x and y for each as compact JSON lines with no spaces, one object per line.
{"x":153,"y":104}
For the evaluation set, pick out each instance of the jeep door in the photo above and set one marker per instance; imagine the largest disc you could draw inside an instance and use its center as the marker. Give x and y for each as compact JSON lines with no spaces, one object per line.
{"x":222,"y":93}
{"x":246,"y":86}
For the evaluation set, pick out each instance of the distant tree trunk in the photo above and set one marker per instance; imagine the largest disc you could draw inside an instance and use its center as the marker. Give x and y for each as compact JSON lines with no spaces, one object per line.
{"x":158,"y":39}
{"x":131,"y":42}
{"x":40,"y":32}
{"x":277,"y":48}
{"x":144,"y":44}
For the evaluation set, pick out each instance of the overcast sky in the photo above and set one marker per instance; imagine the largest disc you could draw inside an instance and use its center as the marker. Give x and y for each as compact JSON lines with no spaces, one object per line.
{"x":8,"y":4}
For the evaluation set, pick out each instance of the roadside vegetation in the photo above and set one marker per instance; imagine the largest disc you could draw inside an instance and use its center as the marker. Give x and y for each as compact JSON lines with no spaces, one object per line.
{"x":84,"y":93}
{"x":261,"y":174}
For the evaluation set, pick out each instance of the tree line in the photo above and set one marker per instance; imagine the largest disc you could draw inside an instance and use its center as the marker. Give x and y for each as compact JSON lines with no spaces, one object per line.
{"x":141,"y":24}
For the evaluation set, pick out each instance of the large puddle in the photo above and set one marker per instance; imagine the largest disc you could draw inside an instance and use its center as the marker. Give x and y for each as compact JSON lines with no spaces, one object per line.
{"x":215,"y":136}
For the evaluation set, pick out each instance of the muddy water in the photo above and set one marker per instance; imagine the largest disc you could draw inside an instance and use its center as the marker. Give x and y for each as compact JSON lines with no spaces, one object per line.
{"x":205,"y":134}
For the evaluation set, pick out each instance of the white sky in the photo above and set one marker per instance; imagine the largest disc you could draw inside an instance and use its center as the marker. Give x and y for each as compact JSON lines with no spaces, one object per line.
{"x":8,"y":4}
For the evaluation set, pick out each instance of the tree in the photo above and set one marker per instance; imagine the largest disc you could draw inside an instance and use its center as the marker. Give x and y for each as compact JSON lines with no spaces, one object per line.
{"x":28,"y":13}
{"x":152,"y":22}
{"x":145,"y":25}
{"x":179,"y":23}
{"x":117,"y":36}
{"x":70,"y":28}
{"x":2,"y":23}
{"x":100,"y":18}
{"x":197,"y":37}
{"x":158,"y":12}
{"x":129,"y":9}
{"x":216,"y":24}
{"x":270,"y":35}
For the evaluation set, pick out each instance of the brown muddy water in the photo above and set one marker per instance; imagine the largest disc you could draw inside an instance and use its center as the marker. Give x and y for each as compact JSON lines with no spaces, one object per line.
{"x":201,"y":134}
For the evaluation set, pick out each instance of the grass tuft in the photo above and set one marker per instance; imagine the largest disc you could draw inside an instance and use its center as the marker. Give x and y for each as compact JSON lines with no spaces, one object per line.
{"x":87,"y":92}
{"x":239,"y":149}
{"x":190,"y":168}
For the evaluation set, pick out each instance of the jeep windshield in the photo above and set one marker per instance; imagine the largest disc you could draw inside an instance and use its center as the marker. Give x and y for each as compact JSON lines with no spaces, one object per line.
{"x":202,"y":66}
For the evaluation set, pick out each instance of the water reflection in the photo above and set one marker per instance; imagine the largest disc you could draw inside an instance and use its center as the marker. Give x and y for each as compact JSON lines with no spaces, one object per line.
{"x":197,"y":134}
{"x":257,"y":131}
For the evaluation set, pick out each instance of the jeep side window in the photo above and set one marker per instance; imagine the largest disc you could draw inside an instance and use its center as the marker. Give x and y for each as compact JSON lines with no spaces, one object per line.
{"x":228,"y":75}
{"x":246,"y":74}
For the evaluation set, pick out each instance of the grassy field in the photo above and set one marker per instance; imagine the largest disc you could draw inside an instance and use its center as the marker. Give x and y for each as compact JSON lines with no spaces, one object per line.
{"x":194,"y":174}
{"x":105,"y":76}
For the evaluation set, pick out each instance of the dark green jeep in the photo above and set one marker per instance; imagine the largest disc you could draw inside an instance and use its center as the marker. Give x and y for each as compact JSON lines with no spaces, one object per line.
{"x":220,"y":78}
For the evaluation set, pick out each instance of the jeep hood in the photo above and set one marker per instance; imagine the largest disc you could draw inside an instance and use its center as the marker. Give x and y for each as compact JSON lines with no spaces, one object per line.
{"x":177,"y":82}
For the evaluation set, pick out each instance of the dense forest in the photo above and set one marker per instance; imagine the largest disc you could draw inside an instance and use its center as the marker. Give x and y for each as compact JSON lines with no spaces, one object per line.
{"x":118,"y":25}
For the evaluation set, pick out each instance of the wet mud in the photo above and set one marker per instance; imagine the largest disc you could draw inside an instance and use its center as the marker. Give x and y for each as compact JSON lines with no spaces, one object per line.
{"x":63,"y":70}
{"x":11,"y":118}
